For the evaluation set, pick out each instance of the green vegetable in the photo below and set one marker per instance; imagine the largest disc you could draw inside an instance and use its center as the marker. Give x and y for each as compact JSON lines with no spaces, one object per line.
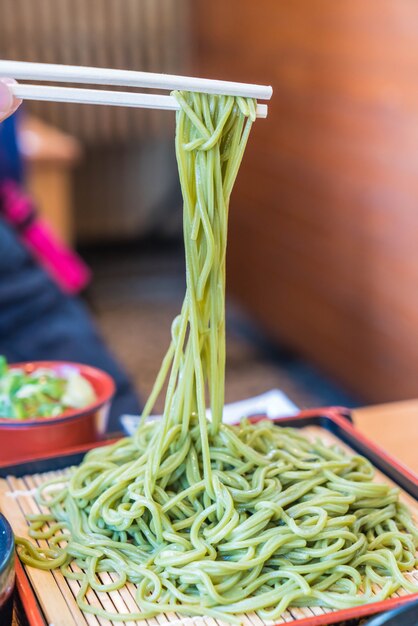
{"x":41,"y":393}
{"x":3,"y":365}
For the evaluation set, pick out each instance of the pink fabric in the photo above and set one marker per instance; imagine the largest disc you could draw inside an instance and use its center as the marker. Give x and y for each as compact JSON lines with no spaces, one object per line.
{"x":61,"y":263}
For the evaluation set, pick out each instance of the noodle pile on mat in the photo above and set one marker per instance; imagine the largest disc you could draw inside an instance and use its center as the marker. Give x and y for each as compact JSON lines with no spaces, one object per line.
{"x":205,"y":518}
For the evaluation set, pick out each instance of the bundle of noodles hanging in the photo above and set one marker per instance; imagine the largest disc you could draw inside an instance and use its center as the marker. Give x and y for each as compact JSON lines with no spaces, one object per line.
{"x":205,"y":518}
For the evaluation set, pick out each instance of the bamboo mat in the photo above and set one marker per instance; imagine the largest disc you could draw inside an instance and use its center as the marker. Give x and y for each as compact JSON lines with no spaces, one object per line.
{"x":56,"y":594}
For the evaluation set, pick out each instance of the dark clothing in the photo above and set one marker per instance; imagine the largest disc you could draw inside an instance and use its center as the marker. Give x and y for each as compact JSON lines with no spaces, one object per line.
{"x":39,"y":322}
{"x":10,"y":161}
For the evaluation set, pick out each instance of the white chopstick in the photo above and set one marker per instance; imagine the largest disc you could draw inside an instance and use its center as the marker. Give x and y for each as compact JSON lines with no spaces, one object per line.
{"x":99,"y":96}
{"x":103,"y":76}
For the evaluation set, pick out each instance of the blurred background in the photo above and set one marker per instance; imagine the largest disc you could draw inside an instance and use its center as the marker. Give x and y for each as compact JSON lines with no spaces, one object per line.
{"x":323,"y":242}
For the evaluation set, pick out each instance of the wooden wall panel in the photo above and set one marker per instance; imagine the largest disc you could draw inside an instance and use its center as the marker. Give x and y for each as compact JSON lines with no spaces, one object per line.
{"x":324,"y":220}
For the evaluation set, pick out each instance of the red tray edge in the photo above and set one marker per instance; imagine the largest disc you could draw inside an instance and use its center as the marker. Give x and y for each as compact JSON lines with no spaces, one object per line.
{"x":27,"y":597}
{"x":35,"y":617}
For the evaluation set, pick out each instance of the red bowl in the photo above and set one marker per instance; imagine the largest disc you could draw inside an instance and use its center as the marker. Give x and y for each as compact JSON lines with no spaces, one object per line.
{"x":25,"y":439}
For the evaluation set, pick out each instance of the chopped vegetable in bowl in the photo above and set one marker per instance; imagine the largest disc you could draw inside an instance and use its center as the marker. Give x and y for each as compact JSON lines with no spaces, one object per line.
{"x":42,"y":392}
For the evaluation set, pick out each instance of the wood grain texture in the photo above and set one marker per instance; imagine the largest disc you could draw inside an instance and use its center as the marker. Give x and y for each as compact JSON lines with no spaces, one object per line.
{"x":324,"y":219}
{"x":377,"y":423}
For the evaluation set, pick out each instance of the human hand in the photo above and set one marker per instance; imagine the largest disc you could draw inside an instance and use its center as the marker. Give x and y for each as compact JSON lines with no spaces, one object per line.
{"x":8,"y":103}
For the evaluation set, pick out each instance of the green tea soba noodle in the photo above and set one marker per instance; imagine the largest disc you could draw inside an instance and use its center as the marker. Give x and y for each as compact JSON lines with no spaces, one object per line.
{"x":210,"y":519}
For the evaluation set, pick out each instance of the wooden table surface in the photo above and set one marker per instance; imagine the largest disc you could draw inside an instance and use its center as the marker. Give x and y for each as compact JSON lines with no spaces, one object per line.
{"x":394,"y":427}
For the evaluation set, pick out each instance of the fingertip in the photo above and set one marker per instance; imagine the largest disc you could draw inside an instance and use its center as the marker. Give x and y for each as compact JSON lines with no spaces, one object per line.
{"x":7,"y":80}
{"x":6,"y":96}
{"x":8,"y":103}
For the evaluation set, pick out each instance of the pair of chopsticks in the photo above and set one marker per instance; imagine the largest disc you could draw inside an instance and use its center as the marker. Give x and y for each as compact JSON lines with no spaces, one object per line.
{"x":21,"y":70}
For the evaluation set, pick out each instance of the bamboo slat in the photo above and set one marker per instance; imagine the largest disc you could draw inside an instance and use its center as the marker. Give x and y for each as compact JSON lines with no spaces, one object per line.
{"x":57,"y":595}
